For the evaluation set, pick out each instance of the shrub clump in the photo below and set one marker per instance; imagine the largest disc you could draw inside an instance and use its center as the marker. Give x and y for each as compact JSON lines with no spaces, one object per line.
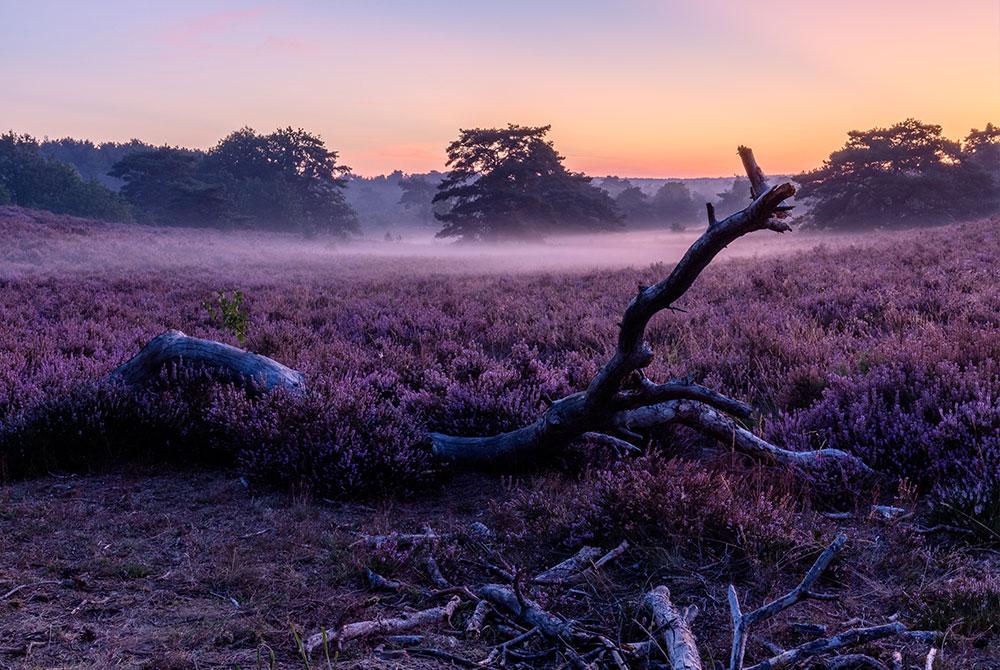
{"x":358,"y":438}
{"x":674,"y":503}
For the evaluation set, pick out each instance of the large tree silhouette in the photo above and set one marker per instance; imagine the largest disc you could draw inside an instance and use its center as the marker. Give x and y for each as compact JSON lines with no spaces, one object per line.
{"x":906,"y":174}
{"x":982,"y":147}
{"x":510,"y":183}
{"x":164,"y":187}
{"x":287,"y":179}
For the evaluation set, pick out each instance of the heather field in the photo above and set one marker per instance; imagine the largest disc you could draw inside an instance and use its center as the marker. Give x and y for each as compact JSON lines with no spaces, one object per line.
{"x":886,"y":346}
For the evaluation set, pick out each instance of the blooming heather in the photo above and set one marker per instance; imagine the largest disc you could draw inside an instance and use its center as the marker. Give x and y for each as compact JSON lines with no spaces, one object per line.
{"x":888,"y":348}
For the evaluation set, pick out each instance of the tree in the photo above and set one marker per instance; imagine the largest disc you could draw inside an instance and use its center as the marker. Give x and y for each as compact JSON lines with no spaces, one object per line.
{"x":92,"y":161}
{"x":634,"y":206}
{"x":906,"y":174}
{"x":510,"y":183}
{"x":418,"y":194}
{"x":735,"y":198}
{"x":163,"y":187}
{"x":674,"y":205}
{"x":30,"y":180}
{"x":614,"y":185}
{"x":982,"y":147}
{"x":287,"y":180}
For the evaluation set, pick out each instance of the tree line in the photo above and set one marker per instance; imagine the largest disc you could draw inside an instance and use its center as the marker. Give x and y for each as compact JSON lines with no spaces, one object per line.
{"x":501,"y":183}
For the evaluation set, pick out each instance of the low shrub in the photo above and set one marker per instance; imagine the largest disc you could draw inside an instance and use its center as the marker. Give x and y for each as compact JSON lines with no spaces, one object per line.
{"x":751,"y":515}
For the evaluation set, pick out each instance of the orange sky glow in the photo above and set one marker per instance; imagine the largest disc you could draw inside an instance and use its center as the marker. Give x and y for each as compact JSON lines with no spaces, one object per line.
{"x":655,"y":88}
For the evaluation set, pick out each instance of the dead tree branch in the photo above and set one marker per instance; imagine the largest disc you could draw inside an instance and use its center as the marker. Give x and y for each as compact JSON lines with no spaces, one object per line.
{"x":674,"y":629}
{"x":848,"y":638}
{"x":620,"y":387}
{"x":361,"y":629}
{"x":559,"y":574}
{"x":526,"y":611}
{"x":742,"y":622}
{"x":520,"y":619}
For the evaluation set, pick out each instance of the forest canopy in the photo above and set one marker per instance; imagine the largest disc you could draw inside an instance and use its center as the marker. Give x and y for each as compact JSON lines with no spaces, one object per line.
{"x":29,"y":179}
{"x":287,"y":180}
{"x":502,"y":183}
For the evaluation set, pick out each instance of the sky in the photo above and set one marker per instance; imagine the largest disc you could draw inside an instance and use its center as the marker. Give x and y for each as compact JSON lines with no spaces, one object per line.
{"x":654,"y":88}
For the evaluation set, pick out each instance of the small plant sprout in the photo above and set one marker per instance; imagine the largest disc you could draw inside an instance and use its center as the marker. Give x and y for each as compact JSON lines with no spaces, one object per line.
{"x":229,"y":313}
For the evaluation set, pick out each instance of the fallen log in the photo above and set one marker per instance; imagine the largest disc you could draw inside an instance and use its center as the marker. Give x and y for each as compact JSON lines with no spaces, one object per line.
{"x":236,"y":365}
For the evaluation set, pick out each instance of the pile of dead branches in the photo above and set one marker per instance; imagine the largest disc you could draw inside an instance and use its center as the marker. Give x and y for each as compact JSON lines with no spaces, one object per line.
{"x":529,"y":622}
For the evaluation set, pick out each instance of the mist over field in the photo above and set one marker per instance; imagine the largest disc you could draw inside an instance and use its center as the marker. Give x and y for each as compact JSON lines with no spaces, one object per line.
{"x":40,"y":244}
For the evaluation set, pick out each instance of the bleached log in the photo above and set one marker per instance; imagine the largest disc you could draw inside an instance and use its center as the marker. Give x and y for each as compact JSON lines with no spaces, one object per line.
{"x":336,"y":637}
{"x":674,"y":628}
{"x":175,"y":348}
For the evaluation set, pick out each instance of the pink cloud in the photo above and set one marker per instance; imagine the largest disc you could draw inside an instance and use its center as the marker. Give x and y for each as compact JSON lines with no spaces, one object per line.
{"x":193,"y":32}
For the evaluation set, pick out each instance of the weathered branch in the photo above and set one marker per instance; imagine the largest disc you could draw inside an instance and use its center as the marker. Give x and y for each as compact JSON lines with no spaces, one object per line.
{"x":848,"y":638}
{"x":674,"y":628}
{"x":580,"y":566}
{"x":237,"y":365}
{"x":526,"y":611}
{"x":576,"y":563}
{"x":758,"y":182}
{"x":711,"y":423}
{"x":619,"y":393}
{"x":360,"y":629}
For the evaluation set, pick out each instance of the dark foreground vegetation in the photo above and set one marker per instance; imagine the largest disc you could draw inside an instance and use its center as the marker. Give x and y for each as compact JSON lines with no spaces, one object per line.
{"x":887,"y":351}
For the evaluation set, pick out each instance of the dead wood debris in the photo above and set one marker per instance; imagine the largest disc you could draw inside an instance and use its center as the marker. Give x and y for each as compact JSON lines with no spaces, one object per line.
{"x":528,"y":630}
